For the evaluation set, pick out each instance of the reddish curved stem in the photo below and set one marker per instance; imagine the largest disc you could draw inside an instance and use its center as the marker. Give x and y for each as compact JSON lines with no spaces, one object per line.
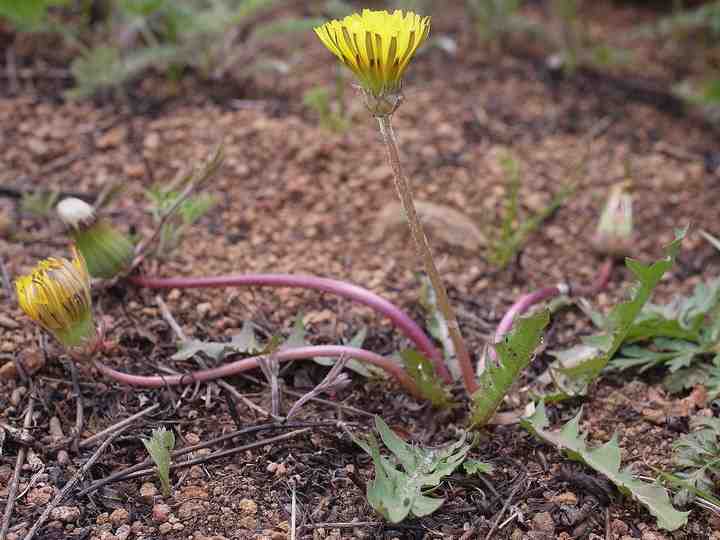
{"x":525,"y":302}
{"x":341,"y":288}
{"x":246,"y":364}
{"x":520,"y":306}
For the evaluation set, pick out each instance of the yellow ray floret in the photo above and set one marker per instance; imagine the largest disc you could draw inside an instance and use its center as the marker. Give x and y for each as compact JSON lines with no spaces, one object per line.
{"x":56,"y":295}
{"x":376,"y":45}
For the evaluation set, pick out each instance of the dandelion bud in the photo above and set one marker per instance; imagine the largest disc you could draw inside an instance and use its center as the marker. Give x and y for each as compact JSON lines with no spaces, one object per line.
{"x":377,"y":47}
{"x":614,"y":233}
{"x":56,"y":295}
{"x":106,"y":250}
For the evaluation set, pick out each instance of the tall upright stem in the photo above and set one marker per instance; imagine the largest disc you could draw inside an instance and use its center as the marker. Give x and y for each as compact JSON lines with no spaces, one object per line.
{"x":422,"y":246}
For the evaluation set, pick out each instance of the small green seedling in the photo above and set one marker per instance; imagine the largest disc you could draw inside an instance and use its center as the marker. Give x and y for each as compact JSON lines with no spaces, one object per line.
{"x":397,"y":493}
{"x":39,"y":204}
{"x":160,"y":447}
{"x":514,"y":228}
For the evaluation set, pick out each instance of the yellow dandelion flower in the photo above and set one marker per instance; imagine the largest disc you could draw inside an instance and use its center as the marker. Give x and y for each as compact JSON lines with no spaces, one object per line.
{"x":56,"y":295}
{"x":376,"y":45}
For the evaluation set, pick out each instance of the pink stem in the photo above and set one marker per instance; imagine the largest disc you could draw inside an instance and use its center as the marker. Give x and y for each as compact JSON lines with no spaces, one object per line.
{"x":520,"y":306}
{"x":246,"y":364}
{"x":341,"y":288}
{"x":525,"y":302}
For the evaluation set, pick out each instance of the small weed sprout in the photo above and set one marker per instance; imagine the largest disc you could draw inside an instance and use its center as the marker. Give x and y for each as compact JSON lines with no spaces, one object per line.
{"x":330,"y":112}
{"x":160,"y":447}
{"x":495,"y":19}
{"x":38,"y":204}
{"x":515,"y":230}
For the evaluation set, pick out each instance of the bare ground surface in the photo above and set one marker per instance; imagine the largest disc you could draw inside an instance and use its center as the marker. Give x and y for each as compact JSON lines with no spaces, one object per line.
{"x":296,"y":198}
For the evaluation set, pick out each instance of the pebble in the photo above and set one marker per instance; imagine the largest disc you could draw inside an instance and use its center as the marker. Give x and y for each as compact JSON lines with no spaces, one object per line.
{"x":67,"y":514}
{"x":567,"y":497}
{"x":190,"y":509}
{"x":40,"y":496}
{"x":248,"y":507}
{"x":63,"y":457}
{"x":543,"y":521}
{"x":120,"y":516}
{"x":161,"y":513}
{"x":148,"y":492}
{"x":8,"y":323}
{"x":165,"y":528}
{"x":193,"y":492}
{"x":17,"y":395}
{"x":56,"y":431}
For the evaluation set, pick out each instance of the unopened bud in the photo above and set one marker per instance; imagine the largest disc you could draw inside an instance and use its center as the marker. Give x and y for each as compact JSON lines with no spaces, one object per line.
{"x":614,"y":233}
{"x":107,"y":252}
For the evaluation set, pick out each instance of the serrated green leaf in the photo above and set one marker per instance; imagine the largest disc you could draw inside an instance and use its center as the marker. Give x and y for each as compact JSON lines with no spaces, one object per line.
{"x":606,"y":460}
{"x":395,"y":493}
{"x":574,"y":380}
{"x":514,"y":353}
{"x":160,"y":447}
{"x":421,"y":370}
{"x":474,"y":466}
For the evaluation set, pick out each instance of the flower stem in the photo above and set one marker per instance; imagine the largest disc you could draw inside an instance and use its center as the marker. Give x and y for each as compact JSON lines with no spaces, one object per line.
{"x":246,"y":364}
{"x":340,"y":288}
{"x":422,"y":246}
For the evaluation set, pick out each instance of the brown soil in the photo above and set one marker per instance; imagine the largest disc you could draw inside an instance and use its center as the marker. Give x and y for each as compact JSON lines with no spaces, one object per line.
{"x":294,"y":197}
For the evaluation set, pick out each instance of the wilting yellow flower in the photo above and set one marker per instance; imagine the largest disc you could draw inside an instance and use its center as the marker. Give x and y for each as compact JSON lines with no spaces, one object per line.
{"x":56,"y":295}
{"x":376,"y":45}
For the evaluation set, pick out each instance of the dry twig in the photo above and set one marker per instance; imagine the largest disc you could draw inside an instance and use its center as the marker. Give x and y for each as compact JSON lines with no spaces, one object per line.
{"x":219,"y":454}
{"x":77,"y":477}
{"x":115,"y":427}
{"x":505,"y":507}
{"x":19,"y":462}
{"x":123,"y":474}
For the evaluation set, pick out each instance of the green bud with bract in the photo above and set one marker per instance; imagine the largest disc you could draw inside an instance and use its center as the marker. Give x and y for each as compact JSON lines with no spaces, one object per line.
{"x":108,"y":252}
{"x":614,"y":233}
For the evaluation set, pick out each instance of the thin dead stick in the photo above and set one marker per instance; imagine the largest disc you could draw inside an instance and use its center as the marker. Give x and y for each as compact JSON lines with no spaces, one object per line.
{"x":293,"y":515}
{"x":120,"y":475}
{"x":248,"y":403}
{"x":270,"y":367}
{"x":77,"y":477}
{"x":115,"y":427}
{"x":19,"y":462}
{"x":5,"y":277}
{"x":180,"y":334}
{"x":333,"y":380}
{"x":332,"y":403}
{"x":504,"y":508}
{"x":219,"y":454}
{"x":422,"y":247}
{"x":79,"y":409}
{"x":16,"y":193}
{"x":341,"y":524}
